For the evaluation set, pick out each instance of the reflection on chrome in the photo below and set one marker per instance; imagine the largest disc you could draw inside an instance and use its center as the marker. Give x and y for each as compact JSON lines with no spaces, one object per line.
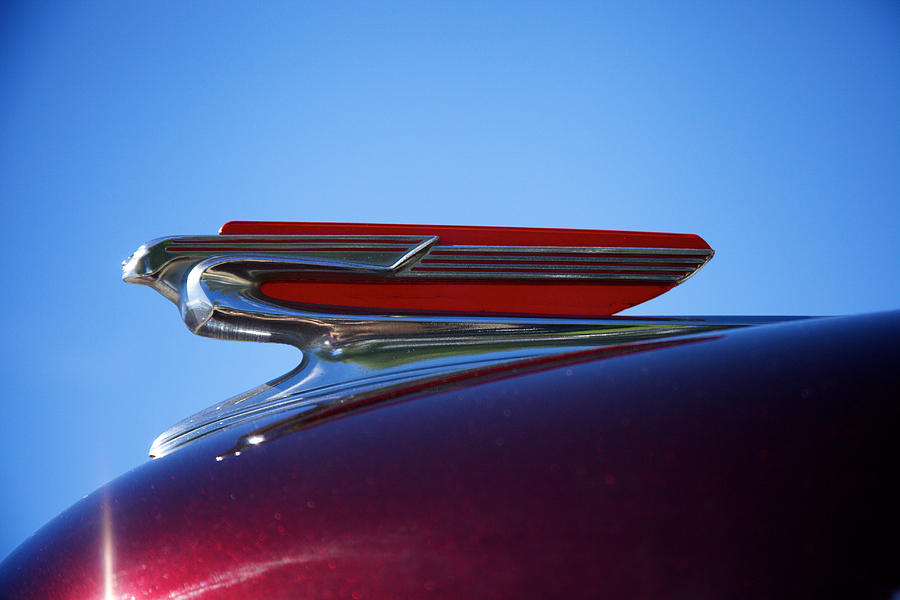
{"x":278,"y":425}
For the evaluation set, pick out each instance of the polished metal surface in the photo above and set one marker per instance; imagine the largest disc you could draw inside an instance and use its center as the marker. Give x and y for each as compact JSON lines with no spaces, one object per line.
{"x":215,"y":282}
{"x":422,"y":257}
{"x":607,"y":264}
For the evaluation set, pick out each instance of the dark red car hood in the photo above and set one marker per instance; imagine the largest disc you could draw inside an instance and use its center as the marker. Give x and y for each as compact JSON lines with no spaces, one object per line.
{"x":750,"y":463}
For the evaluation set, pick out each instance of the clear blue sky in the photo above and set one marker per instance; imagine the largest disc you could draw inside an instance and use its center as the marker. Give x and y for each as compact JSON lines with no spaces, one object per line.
{"x":772,"y":129}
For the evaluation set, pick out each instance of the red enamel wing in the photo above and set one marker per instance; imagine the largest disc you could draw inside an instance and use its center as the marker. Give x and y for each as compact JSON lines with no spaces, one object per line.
{"x":427,"y":269}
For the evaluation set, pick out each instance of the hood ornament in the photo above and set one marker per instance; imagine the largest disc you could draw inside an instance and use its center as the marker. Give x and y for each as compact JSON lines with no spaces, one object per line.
{"x":379,"y":306}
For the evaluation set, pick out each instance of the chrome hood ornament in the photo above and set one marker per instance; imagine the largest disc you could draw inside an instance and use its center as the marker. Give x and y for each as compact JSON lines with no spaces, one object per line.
{"x":375,"y":307}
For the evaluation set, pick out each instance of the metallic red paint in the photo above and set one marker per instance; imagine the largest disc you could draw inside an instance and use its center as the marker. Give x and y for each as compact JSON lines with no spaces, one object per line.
{"x":761,"y":463}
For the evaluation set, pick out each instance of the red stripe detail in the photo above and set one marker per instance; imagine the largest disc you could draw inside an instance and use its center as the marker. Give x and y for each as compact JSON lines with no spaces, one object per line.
{"x":547,"y":271}
{"x":501,"y":272}
{"x":477,"y":236}
{"x":495,"y":297}
{"x":587,"y":263}
{"x":466,"y":252}
{"x":263,"y":249}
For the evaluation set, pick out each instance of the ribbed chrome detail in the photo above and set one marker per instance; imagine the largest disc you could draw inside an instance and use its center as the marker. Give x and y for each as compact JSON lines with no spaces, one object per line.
{"x":495,"y":250}
{"x":548,"y":267}
{"x":663,"y":265}
{"x":419,"y":257}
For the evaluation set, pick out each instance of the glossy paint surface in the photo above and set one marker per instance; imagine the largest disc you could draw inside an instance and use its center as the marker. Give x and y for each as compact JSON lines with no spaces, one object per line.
{"x":758,"y":463}
{"x":497,"y":298}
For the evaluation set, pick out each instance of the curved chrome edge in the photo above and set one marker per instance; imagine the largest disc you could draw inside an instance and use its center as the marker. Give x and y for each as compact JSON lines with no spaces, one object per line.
{"x":708,"y":258}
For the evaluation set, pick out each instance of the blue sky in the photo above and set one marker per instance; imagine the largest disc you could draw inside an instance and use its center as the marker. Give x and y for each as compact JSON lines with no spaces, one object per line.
{"x":772,"y":129}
